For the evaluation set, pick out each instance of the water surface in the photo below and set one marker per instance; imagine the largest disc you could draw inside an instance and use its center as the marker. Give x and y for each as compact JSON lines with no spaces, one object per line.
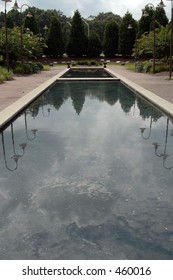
{"x":89,"y":184}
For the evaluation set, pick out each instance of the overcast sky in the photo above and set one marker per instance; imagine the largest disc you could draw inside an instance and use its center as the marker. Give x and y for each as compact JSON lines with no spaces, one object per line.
{"x":90,"y":7}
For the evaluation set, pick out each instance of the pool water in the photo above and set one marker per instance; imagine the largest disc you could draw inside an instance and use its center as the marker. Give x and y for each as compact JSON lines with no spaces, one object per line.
{"x":87,"y":180}
{"x":87,"y":73}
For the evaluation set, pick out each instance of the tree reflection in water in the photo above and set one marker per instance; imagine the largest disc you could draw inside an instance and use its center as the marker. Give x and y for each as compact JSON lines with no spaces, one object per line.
{"x":89,"y":186}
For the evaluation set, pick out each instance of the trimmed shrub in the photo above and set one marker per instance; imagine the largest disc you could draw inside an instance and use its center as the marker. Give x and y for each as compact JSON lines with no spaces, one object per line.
{"x":28,"y":68}
{"x":161,"y":68}
{"x":40,"y":65}
{"x":86,"y":62}
{"x":18,"y":69}
{"x":5,"y":75}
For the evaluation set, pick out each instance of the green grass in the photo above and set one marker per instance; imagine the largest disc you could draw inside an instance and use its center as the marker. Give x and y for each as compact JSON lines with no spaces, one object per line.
{"x":130,"y":66}
{"x":46,"y":67}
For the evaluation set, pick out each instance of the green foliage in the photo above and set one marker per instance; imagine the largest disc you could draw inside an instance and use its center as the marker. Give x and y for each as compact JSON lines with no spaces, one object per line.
{"x":111,"y":38}
{"x":32,"y":45}
{"x":146,"y":22}
{"x":54,"y":41}
{"x":163,"y":42}
{"x":147,"y":66}
{"x":86,"y":62}
{"x":43,"y":17}
{"x":98,"y":23}
{"x":94,"y":45}
{"x":146,"y":42}
{"x":77,"y":45}
{"x":5,"y":75}
{"x":31,"y":24}
{"x":15,"y":17}
{"x":160,"y":67}
{"x":18,"y":69}
{"x":27,"y":68}
{"x":40,"y":66}
{"x":160,"y":17}
{"x":75,"y":37}
{"x":127,"y":36}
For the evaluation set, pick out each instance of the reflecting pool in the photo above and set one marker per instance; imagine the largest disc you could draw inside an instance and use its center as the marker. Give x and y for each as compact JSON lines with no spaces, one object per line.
{"x":87,"y":73}
{"x":86,"y":172}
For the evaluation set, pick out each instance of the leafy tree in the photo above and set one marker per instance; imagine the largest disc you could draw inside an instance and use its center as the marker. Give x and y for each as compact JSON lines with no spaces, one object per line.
{"x":145,"y":43}
{"x":163,"y":42}
{"x":111,"y":37}
{"x":146,"y":23}
{"x":32,"y":44}
{"x":31,"y":23}
{"x":14,"y":16}
{"x":127,"y":37}
{"x":43,"y":17}
{"x":1,"y":19}
{"x":97,"y":26}
{"x":99,"y":22}
{"x":77,"y":44}
{"x":160,"y":17}
{"x":54,"y":41}
{"x":94,"y":45}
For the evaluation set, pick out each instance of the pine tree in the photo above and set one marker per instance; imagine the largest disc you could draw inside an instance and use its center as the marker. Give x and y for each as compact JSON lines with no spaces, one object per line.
{"x":146,"y":23}
{"x":31,"y":23}
{"x":127,"y":36}
{"x":54,"y":41}
{"x":160,"y":17}
{"x":77,"y":44}
{"x":94,"y":45}
{"x":111,"y":38}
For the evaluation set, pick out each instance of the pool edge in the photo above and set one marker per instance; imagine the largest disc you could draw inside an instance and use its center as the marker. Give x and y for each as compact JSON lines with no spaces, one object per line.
{"x":7,"y":114}
{"x":162,"y":104}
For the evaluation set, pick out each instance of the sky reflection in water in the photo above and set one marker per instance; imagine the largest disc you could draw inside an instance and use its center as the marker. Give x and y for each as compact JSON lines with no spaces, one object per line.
{"x":89,"y":183}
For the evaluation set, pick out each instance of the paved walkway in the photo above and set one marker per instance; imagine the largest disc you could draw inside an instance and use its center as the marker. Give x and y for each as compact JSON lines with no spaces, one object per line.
{"x":11,"y":91}
{"x":156,"y":83}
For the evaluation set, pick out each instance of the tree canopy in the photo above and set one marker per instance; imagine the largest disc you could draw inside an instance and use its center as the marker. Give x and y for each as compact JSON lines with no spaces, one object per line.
{"x":127,"y":36}
{"x":111,"y":39}
{"x":108,"y":32}
{"x":55,"y":44}
{"x":77,"y":44}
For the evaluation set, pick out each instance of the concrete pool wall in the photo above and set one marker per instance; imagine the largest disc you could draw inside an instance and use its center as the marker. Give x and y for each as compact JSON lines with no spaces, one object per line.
{"x":160,"y":103}
{"x":14,"y":109}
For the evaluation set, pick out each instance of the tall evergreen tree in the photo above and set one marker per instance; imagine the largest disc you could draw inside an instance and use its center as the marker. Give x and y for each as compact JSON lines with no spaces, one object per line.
{"x":146,"y":23}
{"x":160,"y":16}
{"x":31,"y":23}
{"x":77,"y":44}
{"x":54,"y":39}
{"x":99,"y":22}
{"x":111,"y":38}
{"x":127,"y":36}
{"x":94,"y":45}
{"x":15,"y":17}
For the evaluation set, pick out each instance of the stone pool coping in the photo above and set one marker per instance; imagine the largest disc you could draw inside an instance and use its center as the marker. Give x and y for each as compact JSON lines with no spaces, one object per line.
{"x":14,"y":109}
{"x":160,"y":103}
